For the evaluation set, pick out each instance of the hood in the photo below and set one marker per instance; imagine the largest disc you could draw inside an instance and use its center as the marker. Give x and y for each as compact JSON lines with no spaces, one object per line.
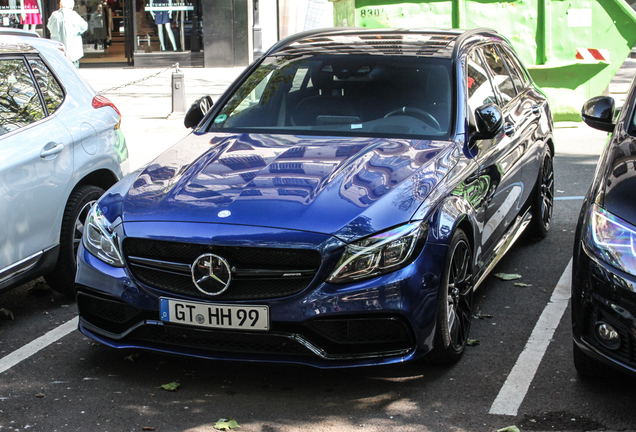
{"x":348,"y":187}
{"x":620,"y":181}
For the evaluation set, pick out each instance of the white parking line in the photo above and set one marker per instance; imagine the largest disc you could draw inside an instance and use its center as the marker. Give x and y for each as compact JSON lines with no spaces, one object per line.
{"x":569,"y":198}
{"x":516,"y":386}
{"x":40,"y":343}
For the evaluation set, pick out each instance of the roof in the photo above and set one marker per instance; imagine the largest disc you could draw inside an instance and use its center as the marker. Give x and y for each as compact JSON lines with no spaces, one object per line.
{"x":386,"y":42}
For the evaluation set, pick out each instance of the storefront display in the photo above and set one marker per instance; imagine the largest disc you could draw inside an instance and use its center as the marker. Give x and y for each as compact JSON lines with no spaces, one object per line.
{"x":26,"y":14}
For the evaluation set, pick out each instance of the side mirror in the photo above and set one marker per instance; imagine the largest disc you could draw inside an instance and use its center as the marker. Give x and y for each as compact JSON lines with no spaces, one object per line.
{"x":197,"y":111}
{"x":598,"y":113}
{"x":488,"y":122}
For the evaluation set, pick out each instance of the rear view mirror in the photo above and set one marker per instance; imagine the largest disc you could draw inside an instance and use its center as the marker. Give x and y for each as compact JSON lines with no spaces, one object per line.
{"x":598,"y":113}
{"x":489,"y":121}
{"x":197,"y":111}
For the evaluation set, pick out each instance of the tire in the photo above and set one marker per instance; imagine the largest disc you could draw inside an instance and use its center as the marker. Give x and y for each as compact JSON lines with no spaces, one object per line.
{"x":62,"y":278}
{"x":454,"y":304}
{"x":543,"y":199}
{"x":590,"y":368}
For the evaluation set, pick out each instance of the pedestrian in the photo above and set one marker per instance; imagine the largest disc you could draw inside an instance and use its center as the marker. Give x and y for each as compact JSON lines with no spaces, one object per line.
{"x":67,"y":26}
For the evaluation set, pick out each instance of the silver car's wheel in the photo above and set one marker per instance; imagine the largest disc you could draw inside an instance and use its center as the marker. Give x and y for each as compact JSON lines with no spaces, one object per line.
{"x":62,"y":278}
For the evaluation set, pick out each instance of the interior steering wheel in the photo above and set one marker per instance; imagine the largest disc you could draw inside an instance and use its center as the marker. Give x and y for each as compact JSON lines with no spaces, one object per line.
{"x":418,"y":114}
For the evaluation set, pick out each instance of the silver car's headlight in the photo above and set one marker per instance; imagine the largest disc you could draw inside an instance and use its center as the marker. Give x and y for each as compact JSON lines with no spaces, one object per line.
{"x":379,"y":254}
{"x":612,"y":239}
{"x":100,"y":239}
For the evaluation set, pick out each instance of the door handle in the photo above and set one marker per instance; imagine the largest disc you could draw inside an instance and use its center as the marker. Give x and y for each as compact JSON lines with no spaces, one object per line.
{"x":51,"y":151}
{"x":509,"y":129}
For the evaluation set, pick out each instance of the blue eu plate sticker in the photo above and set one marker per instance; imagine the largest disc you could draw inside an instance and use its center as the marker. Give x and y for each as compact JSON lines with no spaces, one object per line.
{"x":164,"y":309}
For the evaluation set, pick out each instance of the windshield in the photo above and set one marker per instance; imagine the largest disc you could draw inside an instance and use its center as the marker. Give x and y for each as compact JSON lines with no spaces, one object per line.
{"x":360,"y":95}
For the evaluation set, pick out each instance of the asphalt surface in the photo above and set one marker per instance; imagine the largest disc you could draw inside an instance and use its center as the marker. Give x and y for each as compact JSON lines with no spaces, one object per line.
{"x":74,"y":384}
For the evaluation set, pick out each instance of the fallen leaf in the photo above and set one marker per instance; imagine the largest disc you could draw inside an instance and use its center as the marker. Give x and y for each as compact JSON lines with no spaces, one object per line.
{"x":40,"y":289}
{"x":133,"y":357}
{"x":507,"y":276}
{"x":521,"y":284}
{"x":509,"y":429}
{"x":480,"y":315}
{"x":39,"y":395}
{"x":6,"y":314}
{"x":173,"y":386}
{"x":226,"y":424}
{"x":472,"y":342}
{"x":148,"y":428}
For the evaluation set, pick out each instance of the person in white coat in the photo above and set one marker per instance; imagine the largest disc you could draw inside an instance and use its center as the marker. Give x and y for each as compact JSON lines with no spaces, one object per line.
{"x":67,"y":26}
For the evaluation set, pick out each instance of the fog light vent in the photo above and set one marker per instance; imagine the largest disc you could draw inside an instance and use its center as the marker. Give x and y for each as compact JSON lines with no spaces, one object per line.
{"x":607,"y":335}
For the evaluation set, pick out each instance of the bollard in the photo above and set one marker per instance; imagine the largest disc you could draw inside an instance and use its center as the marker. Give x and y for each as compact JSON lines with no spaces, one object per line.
{"x":178,"y":93}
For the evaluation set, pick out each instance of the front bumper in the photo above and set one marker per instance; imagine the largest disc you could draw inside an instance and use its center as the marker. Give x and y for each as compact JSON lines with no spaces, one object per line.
{"x":384,"y":320}
{"x":603,"y":294}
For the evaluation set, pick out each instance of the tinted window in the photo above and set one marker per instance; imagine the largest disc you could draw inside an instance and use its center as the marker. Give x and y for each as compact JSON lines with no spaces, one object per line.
{"x":501,"y":79}
{"x":480,"y":91}
{"x":20,"y":103}
{"x":49,"y":87}
{"x":516,"y":72}
{"x":349,"y":95}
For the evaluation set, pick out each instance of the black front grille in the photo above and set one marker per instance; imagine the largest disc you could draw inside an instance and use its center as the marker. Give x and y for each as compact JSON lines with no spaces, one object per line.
{"x":362,"y":330}
{"x":113,"y":316}
{"x":228,"y":342}
{"x":332,"y":338}
{"x":289,"y":270}
{"x":242,"y":289}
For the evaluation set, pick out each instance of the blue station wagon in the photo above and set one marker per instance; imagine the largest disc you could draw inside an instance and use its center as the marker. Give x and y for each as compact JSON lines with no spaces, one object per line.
{"x":336,"y":207}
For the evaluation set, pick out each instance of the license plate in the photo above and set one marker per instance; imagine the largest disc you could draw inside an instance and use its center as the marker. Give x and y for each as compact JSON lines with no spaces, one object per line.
{"x":214,"y":315}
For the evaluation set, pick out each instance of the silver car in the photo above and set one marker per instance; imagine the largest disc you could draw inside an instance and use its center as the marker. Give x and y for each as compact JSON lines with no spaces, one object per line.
{"x":60,"y":149}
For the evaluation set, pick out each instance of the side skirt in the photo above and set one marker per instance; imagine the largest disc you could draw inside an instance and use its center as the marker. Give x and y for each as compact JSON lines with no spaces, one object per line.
{"x":506,"y":242}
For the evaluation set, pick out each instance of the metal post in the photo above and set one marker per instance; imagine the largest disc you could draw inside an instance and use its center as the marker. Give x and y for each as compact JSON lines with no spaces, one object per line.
{"x":178,"y":92}
{"x":258,"y":33}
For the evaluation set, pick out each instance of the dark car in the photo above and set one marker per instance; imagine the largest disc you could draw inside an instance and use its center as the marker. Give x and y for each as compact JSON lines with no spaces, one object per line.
{"x":604,"y":265}
{"x":336,"y":207}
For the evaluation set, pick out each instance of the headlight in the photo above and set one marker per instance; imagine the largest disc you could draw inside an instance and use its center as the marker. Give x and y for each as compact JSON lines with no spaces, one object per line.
{"x":382,"y":253}
{"x":100,"y":239}
{"x":613,"y":240}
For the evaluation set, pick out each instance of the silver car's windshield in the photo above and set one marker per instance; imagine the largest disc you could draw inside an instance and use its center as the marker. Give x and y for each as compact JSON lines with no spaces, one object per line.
{"x":345,"y":95}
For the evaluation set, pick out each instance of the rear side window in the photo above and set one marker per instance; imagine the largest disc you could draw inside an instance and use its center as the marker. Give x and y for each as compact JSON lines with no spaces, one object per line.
{"x":20,"y":104}
{"x":516,"y":72}
{"x":49,"y":87}
{"x":480,"y":91}
{"x":501,"y":79}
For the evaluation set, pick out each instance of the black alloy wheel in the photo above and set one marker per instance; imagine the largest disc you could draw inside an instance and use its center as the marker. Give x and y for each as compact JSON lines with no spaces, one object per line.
{"x":543,"y":200}
{"x":455,"y":303}
{"x":62,"y":279}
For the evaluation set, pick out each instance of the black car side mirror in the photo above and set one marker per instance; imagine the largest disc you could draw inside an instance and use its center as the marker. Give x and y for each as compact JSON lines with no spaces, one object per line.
{"x":598,"y":113}
{"x":488,"y":122}
{"x":197,"y":111}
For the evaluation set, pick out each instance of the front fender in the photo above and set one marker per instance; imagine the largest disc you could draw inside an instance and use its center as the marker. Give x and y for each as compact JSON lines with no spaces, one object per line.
{"x":452,"y":213}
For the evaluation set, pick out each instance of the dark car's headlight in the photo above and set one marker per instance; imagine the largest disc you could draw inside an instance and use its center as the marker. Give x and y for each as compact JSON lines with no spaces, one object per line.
{"x":612,"y":239}
{"x":100,"y":239}
{"x":379,"y":254}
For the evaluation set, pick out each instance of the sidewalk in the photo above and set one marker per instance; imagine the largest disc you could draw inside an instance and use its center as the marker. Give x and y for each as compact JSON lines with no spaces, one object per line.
{"x":146,"y":106}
